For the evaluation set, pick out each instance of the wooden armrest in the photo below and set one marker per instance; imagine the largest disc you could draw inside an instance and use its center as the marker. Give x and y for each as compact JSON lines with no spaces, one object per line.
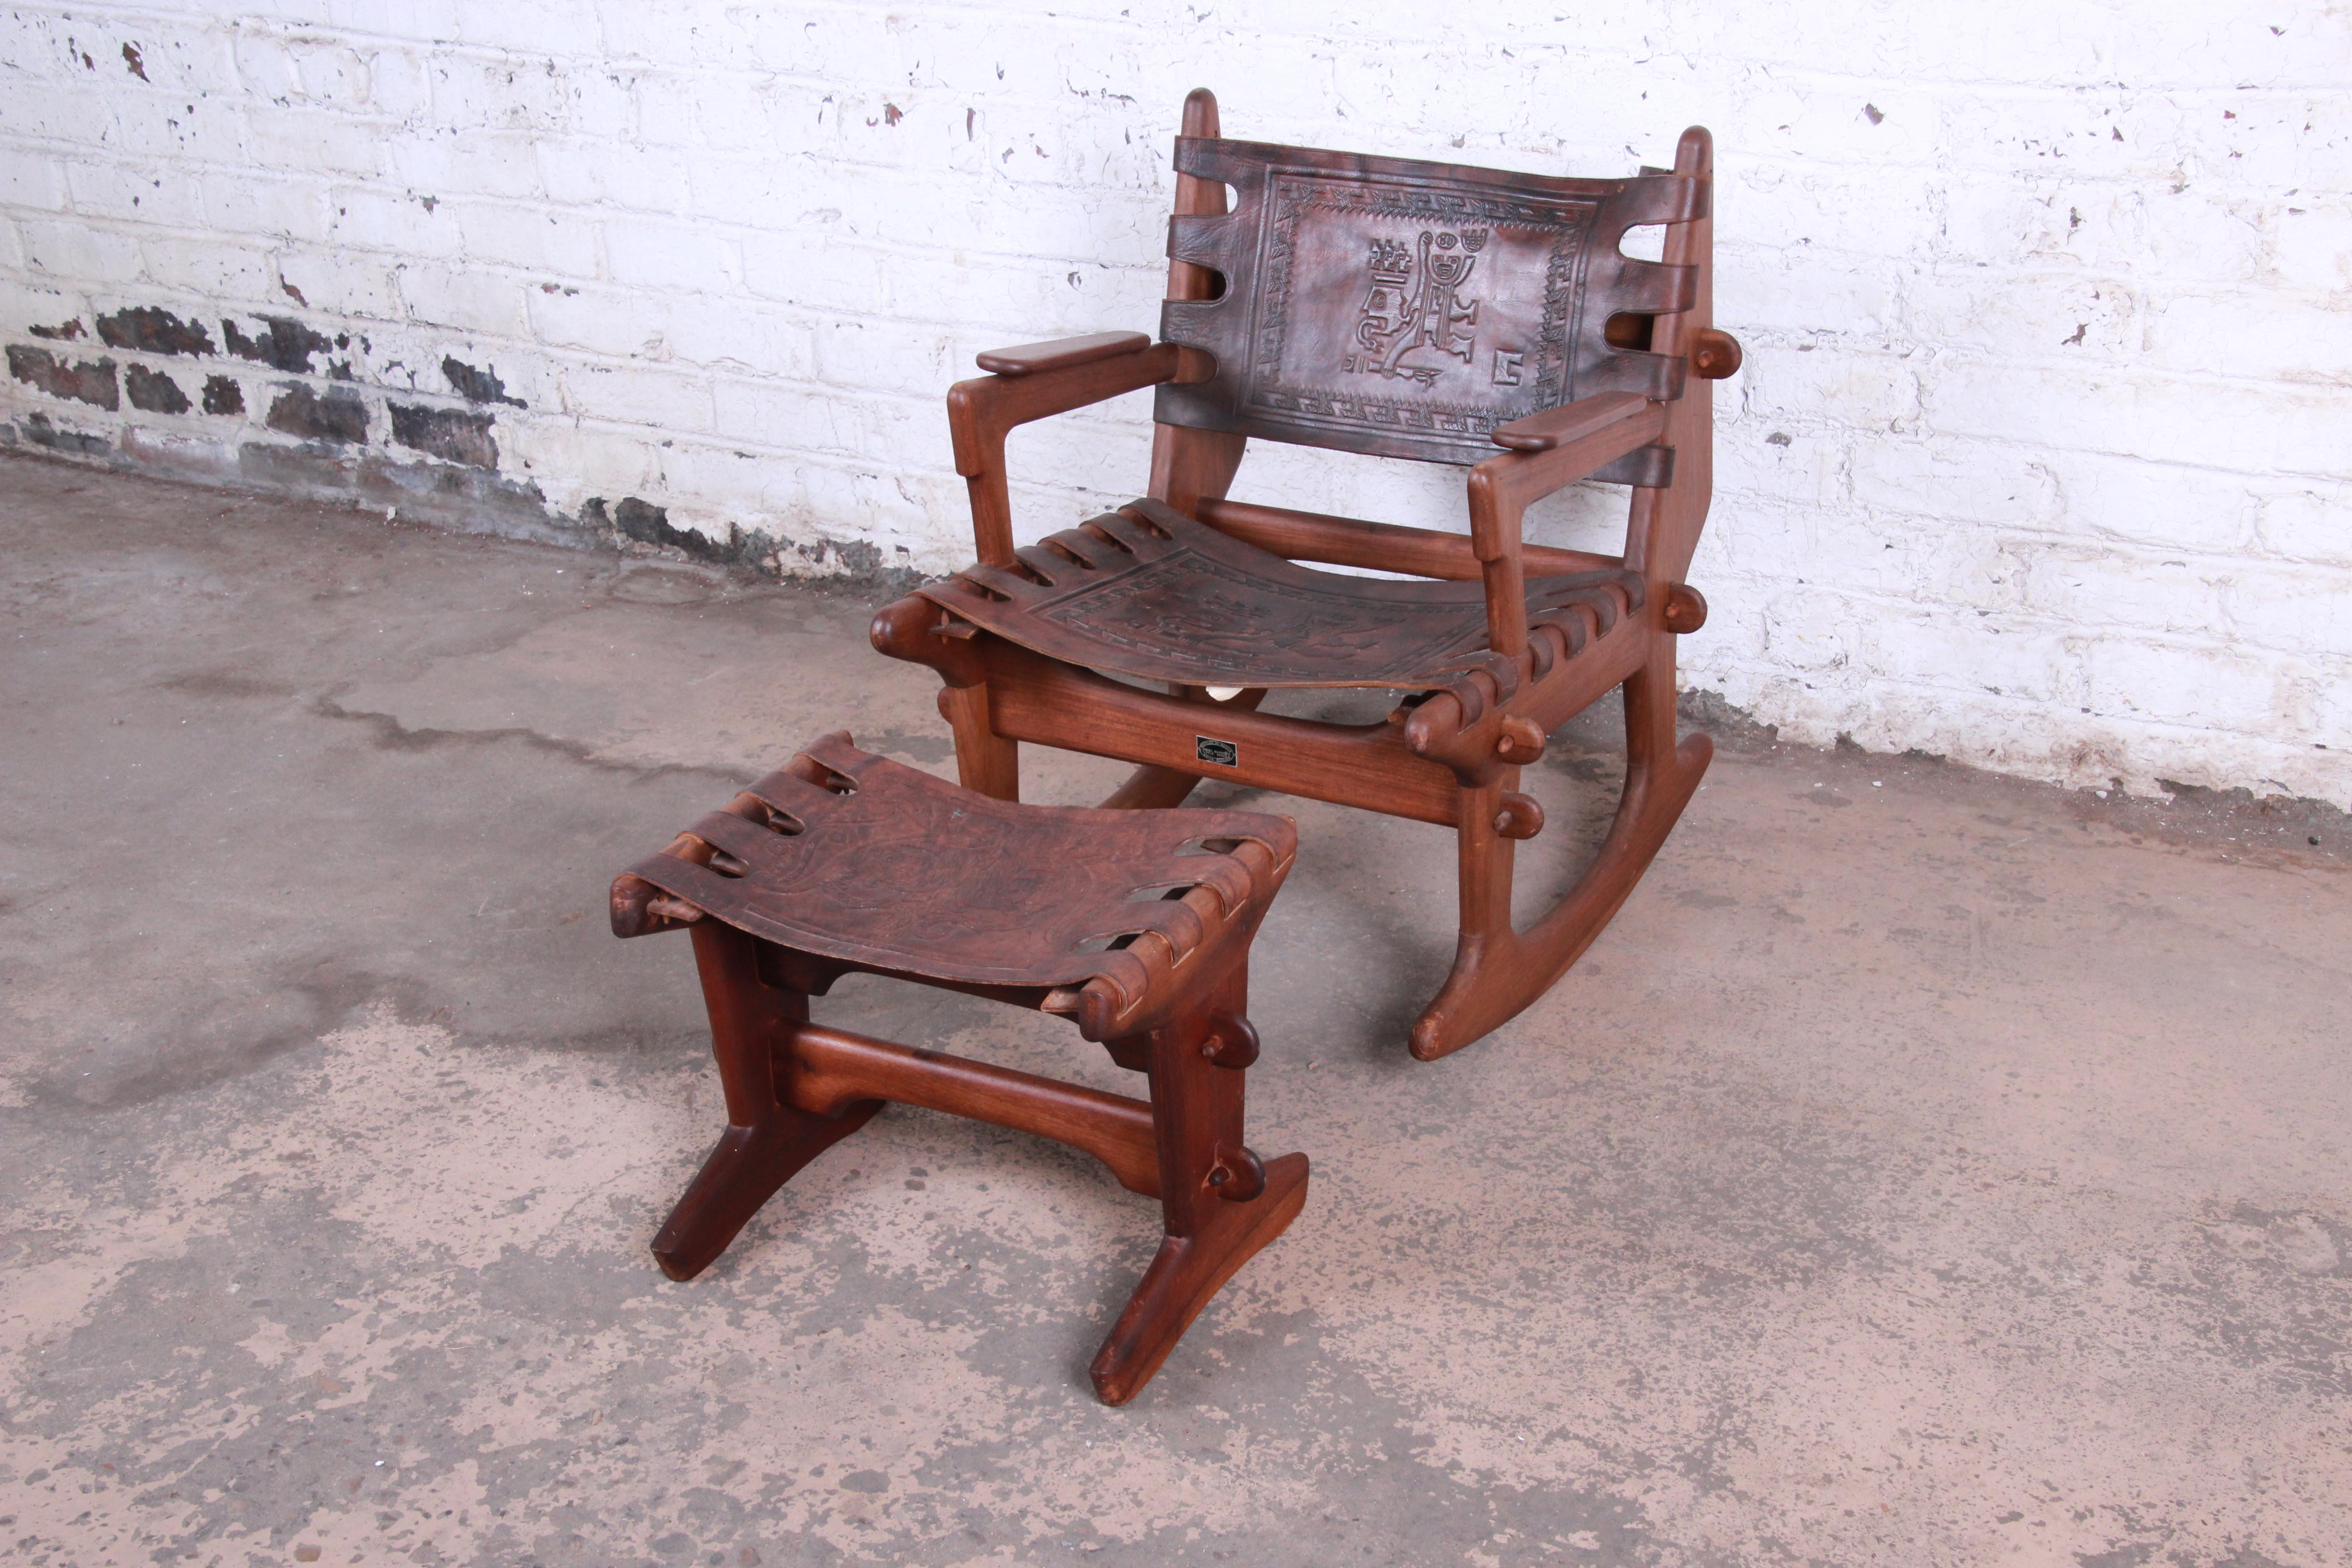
{"x":979,"y":411}
{"x":1569,"y":422}
{"x":1062,"y":353}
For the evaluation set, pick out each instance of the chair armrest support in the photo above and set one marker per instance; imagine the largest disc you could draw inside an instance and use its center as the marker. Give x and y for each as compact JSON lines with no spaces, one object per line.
{"x":1560,"y":446}
{"x":1551,"y":450}
{"x":1062,"y":353}
{"x":1055,"y":379}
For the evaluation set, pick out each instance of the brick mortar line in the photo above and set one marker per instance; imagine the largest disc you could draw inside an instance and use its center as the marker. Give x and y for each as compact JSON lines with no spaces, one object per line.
{"x":2138,"y":283}
{"x":1733,"y":161}
{"x":572,"y":356}
{"x":823,"y":87}
{"x":837,"y":462}
{"x":2012,"y":620}
{"x":273,"y":247}
{"x":1154,"y":199}
{"x":542,"y":208}
{"x":1779,"y":67}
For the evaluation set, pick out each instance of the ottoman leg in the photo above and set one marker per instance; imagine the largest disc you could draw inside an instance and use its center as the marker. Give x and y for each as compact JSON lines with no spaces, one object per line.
{"x":1220,"y":1206}
{"x":766,"y":1141}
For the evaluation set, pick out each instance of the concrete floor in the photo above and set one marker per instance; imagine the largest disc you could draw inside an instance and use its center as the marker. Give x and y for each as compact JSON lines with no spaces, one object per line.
{"x":1924,"y":1168}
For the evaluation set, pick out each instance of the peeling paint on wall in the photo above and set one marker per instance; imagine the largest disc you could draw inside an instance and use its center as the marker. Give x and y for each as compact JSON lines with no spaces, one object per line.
{"x":82,"y":381}
{"x":451,"y":434}
{"x":476,"y":385}
{"x":281,"y":344}
{"x":153,"y":391}
{"x":152,"y":330}
{"x":336,"y":416}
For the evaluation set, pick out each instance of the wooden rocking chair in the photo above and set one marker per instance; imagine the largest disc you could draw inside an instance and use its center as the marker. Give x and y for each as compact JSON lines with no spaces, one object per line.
{"x":1446,"y":314}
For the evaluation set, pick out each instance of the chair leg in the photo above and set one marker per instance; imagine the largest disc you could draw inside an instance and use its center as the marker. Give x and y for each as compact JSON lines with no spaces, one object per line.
{"x":1497,"y":971}
{"x":766,"y":1141}
{"x":986,"y":763}
{"x":1220,"y":1204}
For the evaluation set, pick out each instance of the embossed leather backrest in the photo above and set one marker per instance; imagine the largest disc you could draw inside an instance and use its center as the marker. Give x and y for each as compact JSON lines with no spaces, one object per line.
{"x":1405,"y":308}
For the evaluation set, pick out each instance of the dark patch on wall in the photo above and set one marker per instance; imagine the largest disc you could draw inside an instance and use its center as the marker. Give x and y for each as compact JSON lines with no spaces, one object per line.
{"x":456,"y":434}
{"x":153,"y":391}
{"x":446,"y":476}
{"x":338,"y":416}
{"x":472,"y":499}
{"x":649,"y":524}
{"x":285,"y":346}
{"x":861,"y":558}
{"x":2264,"y":820}
{"x":88,"y":381}
{"x":63,"y":332}
{"x":477,"y":385}
{"x":641,"y":521}
{"x":153,"y":332}
{"x":1734,"y":728}
{"x":130,"y":58}
{"x":72,"y":443}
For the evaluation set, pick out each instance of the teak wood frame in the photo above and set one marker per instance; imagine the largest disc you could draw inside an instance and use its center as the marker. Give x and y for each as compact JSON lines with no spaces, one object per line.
{"x":794,"y":1089}
{"x":1452,"y":756}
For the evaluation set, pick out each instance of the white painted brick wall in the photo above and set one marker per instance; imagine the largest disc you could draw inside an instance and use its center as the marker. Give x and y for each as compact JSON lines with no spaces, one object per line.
{"x":2039,"y":459}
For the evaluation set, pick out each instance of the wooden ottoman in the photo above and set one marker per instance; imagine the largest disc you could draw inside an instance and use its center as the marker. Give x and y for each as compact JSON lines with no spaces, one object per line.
{"x":1134,"y":924}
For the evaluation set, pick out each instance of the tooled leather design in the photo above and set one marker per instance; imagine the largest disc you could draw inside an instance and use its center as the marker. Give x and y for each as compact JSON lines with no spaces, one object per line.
{"x":1148,"y":592}
{"x":1408,"y":308}
{"x":908,"y":873}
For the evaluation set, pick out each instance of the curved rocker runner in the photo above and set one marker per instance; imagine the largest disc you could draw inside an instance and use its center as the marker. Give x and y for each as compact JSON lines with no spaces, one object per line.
{"x":1408,"y":309}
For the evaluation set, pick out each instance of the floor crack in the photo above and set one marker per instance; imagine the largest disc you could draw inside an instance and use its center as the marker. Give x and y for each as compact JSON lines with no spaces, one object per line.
{"x":392,"y":735}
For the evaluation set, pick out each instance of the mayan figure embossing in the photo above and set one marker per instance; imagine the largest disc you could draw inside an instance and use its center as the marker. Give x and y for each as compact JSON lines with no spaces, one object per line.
{"x":1400,"y":315}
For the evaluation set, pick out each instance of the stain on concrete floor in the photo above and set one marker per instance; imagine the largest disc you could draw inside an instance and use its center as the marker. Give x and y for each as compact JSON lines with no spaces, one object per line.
{"x":1937,"y":1172}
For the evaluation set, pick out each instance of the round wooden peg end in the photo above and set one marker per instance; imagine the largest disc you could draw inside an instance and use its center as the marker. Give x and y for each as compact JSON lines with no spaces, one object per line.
{"x":1232,"y":1043}
{"x":1238,"y":1176}
{"x":1522,"y":815}
{"x":1714,"y":355}
{"x":1685,"y":609}
{"x":1520,"y":741}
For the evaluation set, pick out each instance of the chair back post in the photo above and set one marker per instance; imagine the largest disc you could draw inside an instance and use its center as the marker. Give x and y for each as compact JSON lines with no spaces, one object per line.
{"x":1662,"y":529}
{"x":1189,"y":466}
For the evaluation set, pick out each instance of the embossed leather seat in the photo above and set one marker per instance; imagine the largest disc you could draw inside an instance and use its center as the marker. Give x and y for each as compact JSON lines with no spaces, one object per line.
{"x":1148,"y":592}
{"x":1439,"y":312}
{"x":851,"y":858}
